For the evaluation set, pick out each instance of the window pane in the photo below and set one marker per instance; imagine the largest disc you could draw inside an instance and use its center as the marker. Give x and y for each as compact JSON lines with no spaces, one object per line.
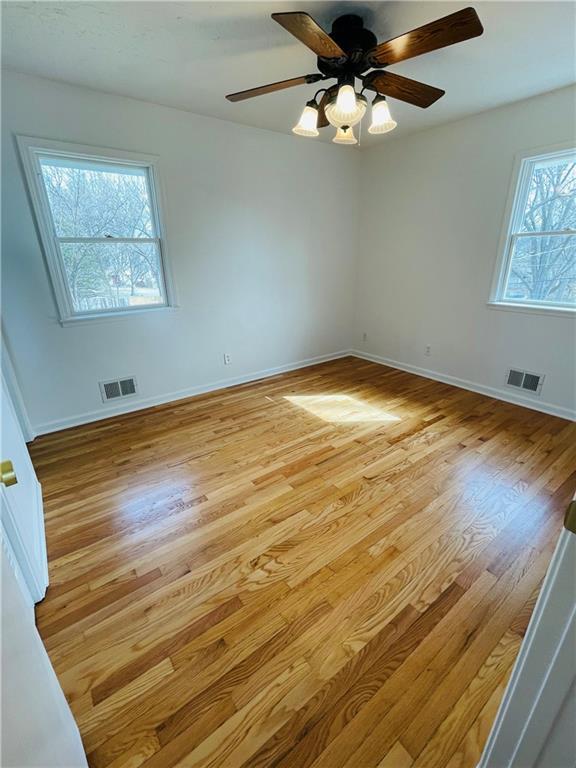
{"x":90,"y":199}
{"x":543,"y":269}
{"x":108,"y":276}
{"x":551,"y":202}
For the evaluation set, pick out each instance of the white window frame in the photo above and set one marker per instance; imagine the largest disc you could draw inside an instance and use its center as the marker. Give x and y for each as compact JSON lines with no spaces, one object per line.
{"x":31,"y":149}
{"x":521,"y":177}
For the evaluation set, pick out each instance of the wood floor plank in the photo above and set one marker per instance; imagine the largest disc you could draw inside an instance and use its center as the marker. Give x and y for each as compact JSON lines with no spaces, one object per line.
{"x":398,"y":757}
{"x":469,"y":750}
{"x":395,"y":709}
{"x":459,"y":721}
{"x":331,"y":567}
{"x":365,"y":686}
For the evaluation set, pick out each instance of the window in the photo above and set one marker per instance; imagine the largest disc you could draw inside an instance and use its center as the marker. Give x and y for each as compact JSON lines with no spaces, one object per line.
{"x":538,"y":264}
{"x":100,"y":226}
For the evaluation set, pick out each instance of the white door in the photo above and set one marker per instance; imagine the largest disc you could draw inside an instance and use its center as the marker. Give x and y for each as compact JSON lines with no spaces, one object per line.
{"x":21,"y":503}
{"x":38,"y":730}
{"x":37,"y":726}
{"x":535,"y":725}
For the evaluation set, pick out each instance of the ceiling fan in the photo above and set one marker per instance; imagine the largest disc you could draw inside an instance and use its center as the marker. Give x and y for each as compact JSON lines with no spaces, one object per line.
{"x":352,"y":52}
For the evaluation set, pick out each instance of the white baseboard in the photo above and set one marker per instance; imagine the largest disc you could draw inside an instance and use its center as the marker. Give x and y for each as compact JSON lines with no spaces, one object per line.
{"x":137,"y":404}
{"x":496,"y":392}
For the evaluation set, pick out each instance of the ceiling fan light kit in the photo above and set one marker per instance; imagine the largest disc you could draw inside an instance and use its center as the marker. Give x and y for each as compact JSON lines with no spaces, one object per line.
{"x":308,"y":123}
{"x":351,"y":52}
{"x":345,"y":135}
{"x":346,"y":108}
{"x":382,"y":121}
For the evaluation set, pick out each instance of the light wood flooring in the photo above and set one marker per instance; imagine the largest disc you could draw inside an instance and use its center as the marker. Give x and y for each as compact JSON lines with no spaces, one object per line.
{"x":332,"y":568}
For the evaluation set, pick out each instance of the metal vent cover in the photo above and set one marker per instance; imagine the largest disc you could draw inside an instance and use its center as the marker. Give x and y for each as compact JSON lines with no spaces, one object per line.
{"x":127,"y":387}
{"x":529,"y":382}
{"x":118,"y":388}
{"x":515,"y":378}
{"x":111,"y":390}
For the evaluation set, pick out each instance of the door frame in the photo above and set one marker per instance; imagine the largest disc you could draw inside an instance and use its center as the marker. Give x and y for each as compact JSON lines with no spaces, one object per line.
{"x":36,"y":584}
{"x":13,"y":387}
{"x":10,"y":555}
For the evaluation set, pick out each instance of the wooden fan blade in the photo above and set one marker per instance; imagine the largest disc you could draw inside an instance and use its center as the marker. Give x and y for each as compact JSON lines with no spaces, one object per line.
{"x":451,"y":29}
{"x":271,"y":87}
{"x":322,"y":119}
{"x":305,"y":29}
{"x":404,"y":89}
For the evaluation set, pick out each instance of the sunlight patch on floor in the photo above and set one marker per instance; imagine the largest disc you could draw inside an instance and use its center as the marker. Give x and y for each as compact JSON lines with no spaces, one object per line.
{"x":340,"y":409}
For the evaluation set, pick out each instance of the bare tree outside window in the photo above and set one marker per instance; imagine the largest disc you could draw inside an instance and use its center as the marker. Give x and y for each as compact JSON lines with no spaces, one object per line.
{"x":104,"y":224}
{"x":542,"y":263}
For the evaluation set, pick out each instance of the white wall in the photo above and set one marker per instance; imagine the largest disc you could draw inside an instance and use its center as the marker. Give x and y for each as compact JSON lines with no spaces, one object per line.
{"x":431,"y":216}
{"x":261,"y":231}
{"x":266,"y":251}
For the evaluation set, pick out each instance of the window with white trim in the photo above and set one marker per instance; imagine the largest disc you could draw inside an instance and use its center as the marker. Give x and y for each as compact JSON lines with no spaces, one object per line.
{"x":99,"y":221}
{"x":538,"y":265}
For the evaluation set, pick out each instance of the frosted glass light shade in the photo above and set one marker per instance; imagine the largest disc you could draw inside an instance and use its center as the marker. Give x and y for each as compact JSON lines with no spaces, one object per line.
{"x":347,"y":108}
{"x":345,"y":135}
{"x":346,"y":98}
{"x":308,"y":123}
{"x":382,"y":121}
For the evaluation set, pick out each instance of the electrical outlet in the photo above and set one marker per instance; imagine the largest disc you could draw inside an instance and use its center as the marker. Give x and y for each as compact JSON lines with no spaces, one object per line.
{"x":227,"y":360}
{"x":364,"y":337}
{"x":428,"y":351}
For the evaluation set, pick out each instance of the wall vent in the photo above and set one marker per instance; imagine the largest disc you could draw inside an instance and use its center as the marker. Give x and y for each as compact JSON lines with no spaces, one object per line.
{"x":113,"y":390}
{"x":530,"y":382}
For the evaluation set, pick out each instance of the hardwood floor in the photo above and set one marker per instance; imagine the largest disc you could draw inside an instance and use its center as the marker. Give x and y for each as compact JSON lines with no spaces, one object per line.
{"x":331,"y":568}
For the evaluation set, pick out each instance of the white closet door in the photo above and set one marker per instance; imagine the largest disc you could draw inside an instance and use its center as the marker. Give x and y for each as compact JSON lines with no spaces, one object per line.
{"x":38,"y":729}
{"x":21,"y":502}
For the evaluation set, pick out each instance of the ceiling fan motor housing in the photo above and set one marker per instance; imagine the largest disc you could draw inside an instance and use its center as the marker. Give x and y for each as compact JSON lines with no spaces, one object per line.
{"x":351,"y":35}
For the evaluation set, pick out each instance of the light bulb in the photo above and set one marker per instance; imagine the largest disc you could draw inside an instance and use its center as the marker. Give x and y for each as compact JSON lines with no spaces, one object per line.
{"x":307,"y":125}
{"x":382,"y":121}
{"x":347,"y":108}
{"x":345,"y":135}
{"x":346,"y":99}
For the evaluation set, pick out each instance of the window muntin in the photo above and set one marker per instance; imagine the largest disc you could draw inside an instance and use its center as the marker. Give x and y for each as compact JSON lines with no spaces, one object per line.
{"x":100,"y":226}
{"x":539,"y":268}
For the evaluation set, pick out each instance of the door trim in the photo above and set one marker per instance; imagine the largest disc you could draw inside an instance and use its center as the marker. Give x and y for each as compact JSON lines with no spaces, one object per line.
{"x":36,"y":583}
{"x":13,"y":388}
{"x":9,"y":553}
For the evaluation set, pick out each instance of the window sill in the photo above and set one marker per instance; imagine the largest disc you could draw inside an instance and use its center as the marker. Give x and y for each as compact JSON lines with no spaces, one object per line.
{"x":532,"y":309}
{"x":106,"y":317}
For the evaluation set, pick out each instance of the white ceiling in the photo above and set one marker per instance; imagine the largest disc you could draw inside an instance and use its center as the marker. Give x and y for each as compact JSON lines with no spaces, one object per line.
{"x":190,"y":54}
